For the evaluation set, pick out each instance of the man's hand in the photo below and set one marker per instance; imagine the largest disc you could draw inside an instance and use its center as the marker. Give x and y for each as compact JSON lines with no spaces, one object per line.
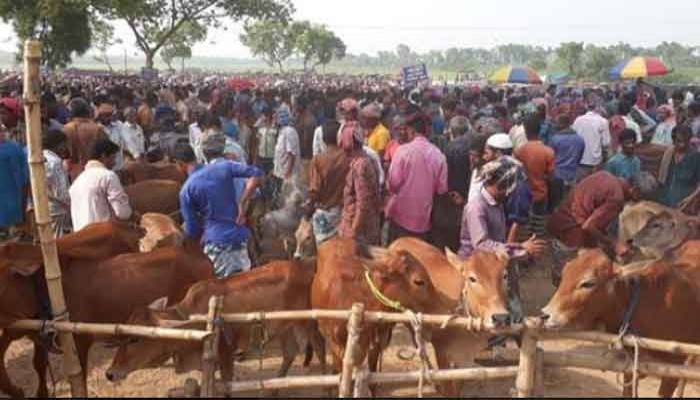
{"x":457,"y":199}
{"x":534,"y":246}
{"x":241,"y":219}
{"x":621,"y":249}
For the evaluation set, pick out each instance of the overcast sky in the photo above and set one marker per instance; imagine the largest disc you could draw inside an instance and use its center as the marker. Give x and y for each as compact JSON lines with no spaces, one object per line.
{"x":372,"y":25}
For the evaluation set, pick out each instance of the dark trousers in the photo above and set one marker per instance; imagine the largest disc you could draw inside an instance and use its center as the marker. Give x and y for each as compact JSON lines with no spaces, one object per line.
{"x":396,"y":231}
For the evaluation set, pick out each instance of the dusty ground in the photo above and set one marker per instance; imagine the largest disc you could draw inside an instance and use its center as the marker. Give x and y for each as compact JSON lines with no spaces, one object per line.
{"x":156,"y":382}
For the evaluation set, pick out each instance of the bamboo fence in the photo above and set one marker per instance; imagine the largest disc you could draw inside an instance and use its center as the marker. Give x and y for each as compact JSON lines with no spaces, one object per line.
{"x":52,"y":268}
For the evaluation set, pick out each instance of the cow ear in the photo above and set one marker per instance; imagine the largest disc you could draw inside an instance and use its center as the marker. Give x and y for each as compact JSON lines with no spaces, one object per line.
{"x":159,"y":305}
{"x":25,"y":270}
{"x":454,"y":260}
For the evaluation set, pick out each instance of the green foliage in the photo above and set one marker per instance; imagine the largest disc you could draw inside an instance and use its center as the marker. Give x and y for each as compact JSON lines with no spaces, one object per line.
{"x":102,"y":40}
{"x":155,"y":22}
{"x":273,"y":41}
{"x":538,"y":63}
{"x":570,"y":54}
{"x":599,"y":61}
{"x":180,"y":44}
{"x":62,"y":26}
{"x":316,"y":44}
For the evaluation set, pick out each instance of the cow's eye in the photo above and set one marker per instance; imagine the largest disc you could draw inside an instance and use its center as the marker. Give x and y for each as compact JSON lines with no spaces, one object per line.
{"x":588,"y":284}
{"x":418,"y":282}
{"x":472,"y":279}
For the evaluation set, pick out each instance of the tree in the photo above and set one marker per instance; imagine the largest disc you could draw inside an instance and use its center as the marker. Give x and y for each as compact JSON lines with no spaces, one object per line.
{"x":317,"y":45}
{"x":62,"y":26}
{"x":103,"y":39}
{"x":180,"y":44}
{"x":273,"y":41}
{"x":155,"y":22}
{"x":538,"y":63}
{"x":570,"y":54}
{"x":599,"y":61}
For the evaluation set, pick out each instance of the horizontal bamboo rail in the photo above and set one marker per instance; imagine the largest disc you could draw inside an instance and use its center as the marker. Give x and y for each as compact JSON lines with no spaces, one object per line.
{"x":664,"y":346}
{"x":150,"y":332}
{"x":470,"y":324}
{"x":297,"y":382}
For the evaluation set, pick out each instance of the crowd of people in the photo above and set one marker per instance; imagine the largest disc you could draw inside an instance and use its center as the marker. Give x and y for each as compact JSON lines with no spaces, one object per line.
{"x":376,"y":158}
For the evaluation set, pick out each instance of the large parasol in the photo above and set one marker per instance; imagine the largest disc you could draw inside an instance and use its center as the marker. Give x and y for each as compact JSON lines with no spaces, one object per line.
{"x":524,"y":75}
{"x":639,"y":67}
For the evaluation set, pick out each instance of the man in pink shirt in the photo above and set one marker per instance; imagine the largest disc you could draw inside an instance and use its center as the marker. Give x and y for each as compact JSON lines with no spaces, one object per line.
{"x":418,"y":171}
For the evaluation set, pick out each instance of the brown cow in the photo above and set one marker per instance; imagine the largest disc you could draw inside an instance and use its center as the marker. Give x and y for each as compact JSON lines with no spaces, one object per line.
{"x":155,"y":196}
{"x":666,"y":232}
{"x":593,"y":291}
{"x":135,"y":172}
{"x":281,"y":285}
{"x":109,"y":291}
{"x":484,"y":295}
{"x":340,"y":281}
{"x":161,"y":231}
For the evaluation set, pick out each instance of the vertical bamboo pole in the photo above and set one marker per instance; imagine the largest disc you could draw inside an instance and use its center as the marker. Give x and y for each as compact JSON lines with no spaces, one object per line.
{"x":210,"y":348}
{"x":52,"y":269}
{"x":525,"y":380}
{"x":350,"y":356}
{"x":680,"y":389}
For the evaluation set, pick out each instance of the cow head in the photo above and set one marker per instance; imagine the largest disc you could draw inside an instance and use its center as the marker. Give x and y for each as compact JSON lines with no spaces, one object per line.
{"x":584,"y":293}
{"x":484,"y":292}
{"x":400,"y":277}
{"x":138,"y":353}
{"x":665,"y":231}
{"x":306,"y":241}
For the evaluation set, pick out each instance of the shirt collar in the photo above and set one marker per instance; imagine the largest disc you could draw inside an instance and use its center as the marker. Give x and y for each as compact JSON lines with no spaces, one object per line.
{"x":94,"y":164}
{"x":487,"y":196}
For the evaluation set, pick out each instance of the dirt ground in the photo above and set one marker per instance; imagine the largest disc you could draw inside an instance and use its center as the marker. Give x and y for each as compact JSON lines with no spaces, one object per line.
{"x":536,"y":290}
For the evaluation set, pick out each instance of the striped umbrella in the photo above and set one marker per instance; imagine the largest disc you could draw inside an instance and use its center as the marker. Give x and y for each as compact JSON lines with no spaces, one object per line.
{"x":638,"y":67}
{"x":516,"y":75}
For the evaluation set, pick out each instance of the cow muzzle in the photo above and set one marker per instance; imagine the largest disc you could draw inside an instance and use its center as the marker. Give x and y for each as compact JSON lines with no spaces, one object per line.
{"x":115,"y":375}
{"x":501,"y":320}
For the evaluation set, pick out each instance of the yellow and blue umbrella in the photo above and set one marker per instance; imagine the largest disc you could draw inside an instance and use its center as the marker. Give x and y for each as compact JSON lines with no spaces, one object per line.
{"x":516,"y":75}
{"x":638,"y":67}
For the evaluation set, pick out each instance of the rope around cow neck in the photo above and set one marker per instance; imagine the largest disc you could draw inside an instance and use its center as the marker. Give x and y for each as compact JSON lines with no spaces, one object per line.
{"x":385,"y":301}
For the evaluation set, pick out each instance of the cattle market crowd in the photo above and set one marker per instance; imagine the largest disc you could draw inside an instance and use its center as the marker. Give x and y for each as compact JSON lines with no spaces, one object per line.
{"x":260,"y":167}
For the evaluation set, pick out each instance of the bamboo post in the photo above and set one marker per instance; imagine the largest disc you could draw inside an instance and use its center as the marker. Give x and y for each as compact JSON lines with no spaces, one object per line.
{"x":680,"y":390}
{"x":362,"y":390}
{"x":539,"y":373}
{"x":350,"y":356}
{"x":211,"y":348}
{"x":525,"y":381}
{"x":52,"y":268}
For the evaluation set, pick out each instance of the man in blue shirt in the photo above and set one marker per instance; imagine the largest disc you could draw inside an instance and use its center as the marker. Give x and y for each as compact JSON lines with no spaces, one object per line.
{"x":568,"y":149}
{"x":625,"y":164}
{"x":209,"y":206}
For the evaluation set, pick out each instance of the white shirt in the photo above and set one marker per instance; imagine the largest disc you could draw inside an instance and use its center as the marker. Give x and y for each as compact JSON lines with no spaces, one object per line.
{"x":319,"y":146}
{"x":195,"y":135}
{"x":57,"y":180}
{"x":287,"y":143}
{"x":631,"y":124}
{"x":114,"y":131}
{"x":517,"y":136}
{"x":475,"y":185}
{"x":595,"y":132}
{"x":97,"y":196}
{"x":377,"y":162}
{"x":134,"y":140}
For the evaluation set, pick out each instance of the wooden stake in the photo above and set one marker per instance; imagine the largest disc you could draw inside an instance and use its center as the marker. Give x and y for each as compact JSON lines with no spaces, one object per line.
{"x":539,"y":373}
{"x":525,"y":381}
{"x":680,"y":390}
{"x":210,"y":348}
{"x":350,"y":356}
{"x":52,"y":268}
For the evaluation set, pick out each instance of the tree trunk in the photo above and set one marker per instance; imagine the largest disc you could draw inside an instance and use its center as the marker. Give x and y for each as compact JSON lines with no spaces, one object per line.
{"x":149,"y":60}
{"x":281,"y":67}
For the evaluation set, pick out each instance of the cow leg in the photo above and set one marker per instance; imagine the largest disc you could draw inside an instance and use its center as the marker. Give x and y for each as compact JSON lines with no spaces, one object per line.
{"x":226,"y":362}
{"x":447,"y":388}
{"x":41,"y":363}
{"x":6,"y":385}
{"x":319,"y":346}
{"x":82,"y":347}
{"x":667,"y":387}
{"x":627,"y":386}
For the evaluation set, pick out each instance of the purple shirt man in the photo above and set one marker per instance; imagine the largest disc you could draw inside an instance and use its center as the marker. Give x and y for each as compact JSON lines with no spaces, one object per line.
{"x":484,"y":228}
{"x":418,"y":171}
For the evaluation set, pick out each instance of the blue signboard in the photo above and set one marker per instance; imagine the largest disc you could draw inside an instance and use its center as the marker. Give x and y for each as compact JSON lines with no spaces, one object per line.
{"x":413,"y":75}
